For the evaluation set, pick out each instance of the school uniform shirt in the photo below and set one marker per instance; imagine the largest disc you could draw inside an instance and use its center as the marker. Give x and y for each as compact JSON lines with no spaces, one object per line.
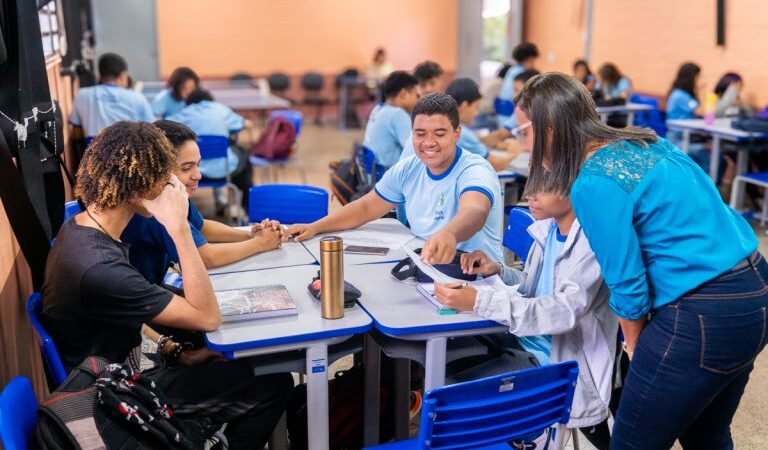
{"x":164,"y":105}
{"x":682,"y":105}
{"x":387,"y":132}
{"x":152,"y":249}
{"x":507,"y":91}
{"x":98,"y":107}
{"x":431,"y":201}
{"x":94,"y":300}
{"x":621,"y":87}
{"x":209,"y":118}
{"x":541,"y":345}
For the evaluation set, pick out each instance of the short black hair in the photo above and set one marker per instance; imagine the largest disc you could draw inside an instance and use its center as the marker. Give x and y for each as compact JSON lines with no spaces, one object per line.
{"x":199,"y":95}
{"x":464,"y":90}
{"x":176,"y":132}
{"x":437,"y":103}
{"x":179,"y":76}
{"x":111,"y":65}
{"x":526,"y":75}
{"x":525,"y":51}
{"x":426,"y":71}
{"x":503,"y":70}
{"x":396,"y":82}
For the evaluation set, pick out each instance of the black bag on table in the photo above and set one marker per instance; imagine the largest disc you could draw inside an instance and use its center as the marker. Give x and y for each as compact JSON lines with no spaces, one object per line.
{"x":407,"y":269}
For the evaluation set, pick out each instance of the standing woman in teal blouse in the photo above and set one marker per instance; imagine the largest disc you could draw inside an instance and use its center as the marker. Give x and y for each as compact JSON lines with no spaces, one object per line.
{"x":685,"y":276}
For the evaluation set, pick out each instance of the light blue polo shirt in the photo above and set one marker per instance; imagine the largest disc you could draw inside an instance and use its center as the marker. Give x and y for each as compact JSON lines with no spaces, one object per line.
{"x":622,"y":86}
{"x":164,"y":105}
{"x":387,"y":133}
{"x":98,"y":107}
{"x":431,"y":201}
{"x":209,"y":118}
{"x":468,"y":140}
{"x":507,"y":91}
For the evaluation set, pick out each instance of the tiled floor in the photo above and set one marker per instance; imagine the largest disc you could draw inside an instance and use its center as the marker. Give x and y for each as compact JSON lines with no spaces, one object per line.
{"x":319,"y":145}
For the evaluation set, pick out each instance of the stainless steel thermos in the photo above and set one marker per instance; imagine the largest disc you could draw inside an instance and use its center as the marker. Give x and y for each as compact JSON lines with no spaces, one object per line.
{"x":332,"y":277}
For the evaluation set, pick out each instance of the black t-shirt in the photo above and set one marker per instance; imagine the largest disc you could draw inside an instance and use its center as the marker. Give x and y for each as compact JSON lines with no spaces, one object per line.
{"x":94,"y":301}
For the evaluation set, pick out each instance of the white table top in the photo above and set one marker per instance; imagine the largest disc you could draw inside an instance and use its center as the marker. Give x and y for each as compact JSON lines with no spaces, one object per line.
{"x":629,"y":107}
{"x":392,"y":226}
{"x":248,"y":98}
{"x":288,"y":255}
{"x":721,"y":127}
{"x":398,"y":309}
{"x":307,"y":326}
{"x":517,"y":167}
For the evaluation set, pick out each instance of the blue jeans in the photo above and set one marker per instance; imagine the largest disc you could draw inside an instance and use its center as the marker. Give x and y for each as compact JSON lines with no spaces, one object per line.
{"x":692,"y":363}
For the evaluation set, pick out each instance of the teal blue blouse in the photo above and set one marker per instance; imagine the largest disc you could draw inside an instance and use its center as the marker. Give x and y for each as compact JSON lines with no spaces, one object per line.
{"x":656,"y":223}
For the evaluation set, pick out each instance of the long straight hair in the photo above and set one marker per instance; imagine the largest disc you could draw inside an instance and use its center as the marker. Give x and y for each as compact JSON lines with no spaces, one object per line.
{"x":686,"y":79}
{"x":565,"y":123}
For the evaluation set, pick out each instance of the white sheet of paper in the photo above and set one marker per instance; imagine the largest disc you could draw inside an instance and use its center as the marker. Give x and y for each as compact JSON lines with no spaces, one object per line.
{"x":428,"y":269}
{"x":373,"y":238}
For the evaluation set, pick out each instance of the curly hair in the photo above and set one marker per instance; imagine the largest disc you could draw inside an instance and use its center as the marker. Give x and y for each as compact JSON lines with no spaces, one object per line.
{"x":124,"y":161}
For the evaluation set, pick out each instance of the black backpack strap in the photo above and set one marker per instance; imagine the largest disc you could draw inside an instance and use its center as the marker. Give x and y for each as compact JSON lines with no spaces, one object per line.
{"x":404,"y":269}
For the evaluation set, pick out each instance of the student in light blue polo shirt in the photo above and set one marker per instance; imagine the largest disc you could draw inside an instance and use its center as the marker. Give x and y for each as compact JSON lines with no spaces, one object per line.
{"x":207,"y":117}
{"x":182,"y":82}
{"x":99,"y":106}
{"x":612,"y":83}
{"x":452,"y":197}
{"x":525,"y":55}
{"x":389,"y":125}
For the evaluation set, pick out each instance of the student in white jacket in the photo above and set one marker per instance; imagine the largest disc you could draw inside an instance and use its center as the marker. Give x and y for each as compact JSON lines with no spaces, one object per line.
{"x":558,"y":307}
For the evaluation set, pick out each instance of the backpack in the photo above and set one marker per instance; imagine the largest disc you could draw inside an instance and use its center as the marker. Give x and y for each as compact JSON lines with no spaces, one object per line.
{"x":276,"y":142}
{"x":103,"y":405}
{"x":347,"y":181}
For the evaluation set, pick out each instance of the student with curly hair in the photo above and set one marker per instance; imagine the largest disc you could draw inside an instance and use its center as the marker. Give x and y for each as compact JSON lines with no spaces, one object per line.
{"x":95,"y":302}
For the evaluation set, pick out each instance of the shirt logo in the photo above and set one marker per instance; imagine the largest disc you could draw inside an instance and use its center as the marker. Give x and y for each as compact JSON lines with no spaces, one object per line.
{"x":439,"y":211}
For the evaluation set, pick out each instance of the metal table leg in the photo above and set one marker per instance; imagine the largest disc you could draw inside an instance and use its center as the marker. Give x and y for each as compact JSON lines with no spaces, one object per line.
{"x":434,"y":375}
{"x":372,"y":383}
{"x":317,"y":397}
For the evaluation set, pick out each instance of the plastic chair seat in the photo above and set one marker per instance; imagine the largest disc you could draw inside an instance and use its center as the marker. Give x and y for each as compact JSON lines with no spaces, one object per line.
{"x":288,"y":203}
{"x":414,"y":444}
{"x":18,"y":414}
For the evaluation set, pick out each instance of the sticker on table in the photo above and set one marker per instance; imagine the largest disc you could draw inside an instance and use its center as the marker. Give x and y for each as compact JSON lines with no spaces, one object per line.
{"x":507,"y":384}
{"x":318,"y":365}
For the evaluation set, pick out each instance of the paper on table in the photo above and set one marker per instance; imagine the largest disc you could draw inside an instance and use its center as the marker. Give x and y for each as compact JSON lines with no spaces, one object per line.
{"x":428,"y":269}
{"x":374,"y":238}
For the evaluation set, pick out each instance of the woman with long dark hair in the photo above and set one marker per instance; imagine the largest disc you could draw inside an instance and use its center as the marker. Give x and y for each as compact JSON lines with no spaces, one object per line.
{"x":685,"y":276}
{"x":612,"y":83}
{"x":182,"y":82}
{"x":683,"y":95}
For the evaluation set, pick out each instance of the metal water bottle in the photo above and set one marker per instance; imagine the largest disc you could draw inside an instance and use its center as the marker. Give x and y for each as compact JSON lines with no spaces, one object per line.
{"x":332,"y":277}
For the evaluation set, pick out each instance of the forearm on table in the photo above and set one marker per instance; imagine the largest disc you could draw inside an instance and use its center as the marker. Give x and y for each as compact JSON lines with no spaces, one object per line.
{"x":219,"y":232}
{"x":354,"y":214}
{"x":197,"y":286}
{"x":220,"y":254}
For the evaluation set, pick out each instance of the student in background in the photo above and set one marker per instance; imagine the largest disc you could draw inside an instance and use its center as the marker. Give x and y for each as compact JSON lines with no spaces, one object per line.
{"x":152,"y":249}
{"x":491,"y":90}
{"x":389,"y":125}
{"x":452,"y":197}
{"x":729,"y":102}
{"x":110,"y":101}
{"x":207,"y":117}
{"x":558,"y":307}
{"x":612,"y":84}
{"x":95,"y":303}
{"x":182,"y":82}
{"x":379,"y":67}
{"x":430,"y":77}
{"x":525,"y":56}
{"x":520,"y":79}
{"x":582,"y":73}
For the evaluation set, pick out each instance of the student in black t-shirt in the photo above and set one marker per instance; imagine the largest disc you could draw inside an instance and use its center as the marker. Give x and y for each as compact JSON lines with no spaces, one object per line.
{"x":95,"y":302}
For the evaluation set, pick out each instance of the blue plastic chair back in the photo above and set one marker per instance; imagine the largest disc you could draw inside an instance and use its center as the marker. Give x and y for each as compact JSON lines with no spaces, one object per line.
{"x":213,"y":147}
{"x":50,"y":353}
{"x":71,"y":208}
{"x":88,"y":140}
{"x":503,"y":107}
{"x":653,"y":119}
{"x":296,"y":117}
{"x":18,"y":414}
{"x":367,"y":160}
{"x":489,"y":412}
{"x":516,"y":237}
{"x":288,"y":203}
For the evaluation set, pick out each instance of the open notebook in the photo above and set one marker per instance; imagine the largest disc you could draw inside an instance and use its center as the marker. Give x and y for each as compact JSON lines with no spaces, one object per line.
{"x":255,"y":302}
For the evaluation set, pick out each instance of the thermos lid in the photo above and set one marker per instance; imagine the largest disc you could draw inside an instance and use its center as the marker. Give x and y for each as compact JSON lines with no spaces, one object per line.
{"x":331,"y":244}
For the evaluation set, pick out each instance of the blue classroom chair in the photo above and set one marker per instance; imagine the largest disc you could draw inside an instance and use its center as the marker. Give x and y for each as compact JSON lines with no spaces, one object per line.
{"x":516,"y":237}
{"x":18,"y":414}
{"x":71,"y":208}
{"x":653,"y":119}
{"x":503,"y":107}
{"x":366,"y":159}
{"x":288,"y":203}
{"x":213,"y":147}
{"x":488,"y":413}
{"x":50,"y":353}
{"x":295,"y":117}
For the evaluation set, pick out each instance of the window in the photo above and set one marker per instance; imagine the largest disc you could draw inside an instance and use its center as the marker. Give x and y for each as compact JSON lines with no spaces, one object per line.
{"x":52,"y":30}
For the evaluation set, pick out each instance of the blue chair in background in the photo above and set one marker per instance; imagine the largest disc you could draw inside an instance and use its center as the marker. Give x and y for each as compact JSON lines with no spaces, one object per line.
{"x":50,"y":353}
{"x":653,"y":119}
{"x":71,"y":208}
{"x":503,"y":107}
{"x":18,"y":414}
{"x":366,"y":160}
{"x":288,"y":203}
{"x":488,"y":413}
{"x":296,"y":117}
{"x":516,"y":237}
{"x":216,"y":147}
